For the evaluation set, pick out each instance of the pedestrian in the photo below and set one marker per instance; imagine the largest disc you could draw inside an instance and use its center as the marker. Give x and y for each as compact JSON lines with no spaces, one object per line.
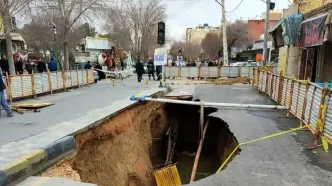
{"x":151,"y":69}
{"x":28,"y":67}
{"x":122,"y":64}
{"x":41,"y":67}
{"x":139,"y":70}
{"x":4,"y":65}
{"x":3,"y":101}
{"x":52,"y":65}
{"x":101,"y":74}
{"x":159,"y":70}
{"x":19,"y":65}
{"x":88,"y":65}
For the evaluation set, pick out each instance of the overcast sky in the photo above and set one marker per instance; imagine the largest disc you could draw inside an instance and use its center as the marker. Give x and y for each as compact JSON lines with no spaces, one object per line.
{"x":182,"y":14}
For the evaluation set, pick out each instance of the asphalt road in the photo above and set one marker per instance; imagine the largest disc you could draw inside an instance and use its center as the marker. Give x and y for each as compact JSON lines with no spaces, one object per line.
{"x":277,"y":161}
{"x":68,"y":106}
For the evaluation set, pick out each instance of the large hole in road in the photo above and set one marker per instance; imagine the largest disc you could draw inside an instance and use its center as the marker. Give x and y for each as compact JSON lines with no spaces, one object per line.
{"x":127,"y":148}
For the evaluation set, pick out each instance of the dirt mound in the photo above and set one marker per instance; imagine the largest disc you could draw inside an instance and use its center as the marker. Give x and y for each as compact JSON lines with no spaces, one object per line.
{"x":231,"y":81}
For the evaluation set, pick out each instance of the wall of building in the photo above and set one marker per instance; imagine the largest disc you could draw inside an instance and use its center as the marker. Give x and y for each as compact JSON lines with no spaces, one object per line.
{"x":306,"y":6}
{"x":196,"y":35}
{"x":256,"y":28}
{"x":294,"y":58}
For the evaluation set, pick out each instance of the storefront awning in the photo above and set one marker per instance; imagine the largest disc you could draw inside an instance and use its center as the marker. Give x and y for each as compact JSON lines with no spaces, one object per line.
{"x":284,"y":32}
{"x":313,"y":31}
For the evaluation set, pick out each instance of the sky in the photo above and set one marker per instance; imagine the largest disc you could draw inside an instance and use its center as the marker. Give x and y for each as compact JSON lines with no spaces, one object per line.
{"x":182,"y":14}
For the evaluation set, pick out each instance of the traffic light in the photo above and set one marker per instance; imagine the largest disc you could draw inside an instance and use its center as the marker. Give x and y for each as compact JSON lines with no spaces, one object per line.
{"x":161,"y":33}
{"x":272,"y":6}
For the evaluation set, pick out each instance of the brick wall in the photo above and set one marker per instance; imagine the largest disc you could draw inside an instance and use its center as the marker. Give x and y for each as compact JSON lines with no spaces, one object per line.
{"x":256,"y":28}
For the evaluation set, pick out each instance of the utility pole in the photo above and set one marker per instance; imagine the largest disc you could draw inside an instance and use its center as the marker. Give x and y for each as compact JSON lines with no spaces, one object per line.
{"x":266,"y":33}
{"x":7,"y":29}
{"x":223,"y":23}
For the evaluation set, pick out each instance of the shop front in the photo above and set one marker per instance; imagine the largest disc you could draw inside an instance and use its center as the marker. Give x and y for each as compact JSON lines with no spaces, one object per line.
{"x":314,"y":39}
{"x":284,"y":35}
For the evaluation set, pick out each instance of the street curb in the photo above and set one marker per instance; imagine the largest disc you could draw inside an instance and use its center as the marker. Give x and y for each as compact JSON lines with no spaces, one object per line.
{"x":28,"y":164}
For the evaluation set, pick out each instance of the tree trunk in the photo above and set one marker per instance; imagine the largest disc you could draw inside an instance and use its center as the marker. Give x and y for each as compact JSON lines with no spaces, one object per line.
{"x":65,"y":46}
{"x":9,"y":44}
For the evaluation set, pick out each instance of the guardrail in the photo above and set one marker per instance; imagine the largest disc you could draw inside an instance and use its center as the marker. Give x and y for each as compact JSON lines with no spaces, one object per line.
{"x":28,"y":85}
{"x":309,"y":102}
{"x":209,"y":72}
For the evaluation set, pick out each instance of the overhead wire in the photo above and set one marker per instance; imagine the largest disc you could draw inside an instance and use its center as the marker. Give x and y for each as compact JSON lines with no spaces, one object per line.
{"x":235,"y":7}
{"x":184,"y":7}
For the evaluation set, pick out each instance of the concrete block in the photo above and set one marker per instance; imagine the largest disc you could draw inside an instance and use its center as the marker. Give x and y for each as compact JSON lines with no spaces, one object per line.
{"x":2,"y":178}
{"x":16,"y":169}
{"x":59,"y":147}
{"x":36,"y":158}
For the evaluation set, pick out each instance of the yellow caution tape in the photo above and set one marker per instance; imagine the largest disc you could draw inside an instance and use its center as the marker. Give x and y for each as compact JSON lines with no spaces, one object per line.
{"x":252,"y":141}
{"x":168,"y":176}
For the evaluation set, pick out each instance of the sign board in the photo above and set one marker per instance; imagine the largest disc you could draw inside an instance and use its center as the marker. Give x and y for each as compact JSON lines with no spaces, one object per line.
{"x":312,"y":32}
{"x":160,"y":56}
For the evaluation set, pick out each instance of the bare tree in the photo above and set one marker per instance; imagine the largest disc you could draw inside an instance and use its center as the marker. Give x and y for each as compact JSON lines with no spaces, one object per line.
{"x":211,"y":44}
{"x":70,"y":12}
{"x":8,"y":9}
{"x":40,"y":36}
{"x":134,"y":25}
{"x":237,"y":36}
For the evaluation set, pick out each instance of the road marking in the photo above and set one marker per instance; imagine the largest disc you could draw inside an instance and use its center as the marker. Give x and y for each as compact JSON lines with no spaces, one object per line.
{"x":239,"y":88}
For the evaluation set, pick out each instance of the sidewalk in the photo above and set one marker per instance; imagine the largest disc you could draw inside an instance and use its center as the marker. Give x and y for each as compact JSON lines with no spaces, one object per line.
{"x":68,"y":106}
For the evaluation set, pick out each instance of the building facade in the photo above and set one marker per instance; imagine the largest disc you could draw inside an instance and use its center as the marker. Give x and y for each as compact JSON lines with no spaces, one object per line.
{"x":197,"y":34}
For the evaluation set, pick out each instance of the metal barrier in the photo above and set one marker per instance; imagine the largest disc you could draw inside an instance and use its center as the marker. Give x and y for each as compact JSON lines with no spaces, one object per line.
{"x":25,"y":85}
{"x":209,"y":72}
{"x":310,"y":103}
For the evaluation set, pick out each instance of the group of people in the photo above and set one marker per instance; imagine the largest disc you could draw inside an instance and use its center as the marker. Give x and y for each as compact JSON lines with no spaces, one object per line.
{"x":191,"y":63}
{"x":27,"y":65}
{"x":150,"y":68}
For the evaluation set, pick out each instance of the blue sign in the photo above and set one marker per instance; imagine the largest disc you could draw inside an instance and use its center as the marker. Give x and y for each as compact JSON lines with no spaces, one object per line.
{"x":159,"y":58}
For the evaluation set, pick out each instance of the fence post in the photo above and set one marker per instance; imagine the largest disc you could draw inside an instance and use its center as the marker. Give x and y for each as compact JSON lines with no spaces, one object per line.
{"x":33,"y":84}
{"x":64,"y":79}
{"x":50,"y":81}
{"x":238,"y":71}
{"x":179,"y":72}
{"x":9,"y":88}
{"x":22,"y":88}
{"x":87,"y":77}
{"x":219,"y":71}
{"x":78,"y":82}
{"x":281,"y":85}
{"x":199,"y":72}
{"x":297,"y":100}
{"x":266,"y":82}
{"x":290,"y":97}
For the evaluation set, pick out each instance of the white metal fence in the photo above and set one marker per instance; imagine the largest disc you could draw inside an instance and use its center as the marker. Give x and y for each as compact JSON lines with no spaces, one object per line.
{"x":25,"y":85}
{"x":310,"y":103}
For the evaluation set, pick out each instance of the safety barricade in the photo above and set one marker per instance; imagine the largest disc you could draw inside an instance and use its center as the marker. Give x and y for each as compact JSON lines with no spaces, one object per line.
{"x":209,"y":72}
{"x":309,"y":102}
{"x":26,"y":85}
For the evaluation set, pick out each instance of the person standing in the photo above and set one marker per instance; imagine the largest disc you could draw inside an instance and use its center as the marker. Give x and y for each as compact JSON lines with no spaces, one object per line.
{"x":52,"y":65}
{"x":3,"y":101}
{"x":139,"y":70}
{"x":159,"y":71}
{"x":151,"y":69}
{"x":19,"y":65}
{"x":41,"y":67}
{"x":28,"y":67}
{"x":4,"y":64}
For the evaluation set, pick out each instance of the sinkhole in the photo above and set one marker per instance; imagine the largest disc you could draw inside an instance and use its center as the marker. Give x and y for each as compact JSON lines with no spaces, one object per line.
{"x":128,"y":147}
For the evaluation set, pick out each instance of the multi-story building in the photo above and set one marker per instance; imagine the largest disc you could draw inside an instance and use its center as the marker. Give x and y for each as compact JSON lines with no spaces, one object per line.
{"x":197,"y":34}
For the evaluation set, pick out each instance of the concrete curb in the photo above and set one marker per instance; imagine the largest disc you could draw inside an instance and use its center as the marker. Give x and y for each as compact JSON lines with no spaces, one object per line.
{"x":19,"y":169}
